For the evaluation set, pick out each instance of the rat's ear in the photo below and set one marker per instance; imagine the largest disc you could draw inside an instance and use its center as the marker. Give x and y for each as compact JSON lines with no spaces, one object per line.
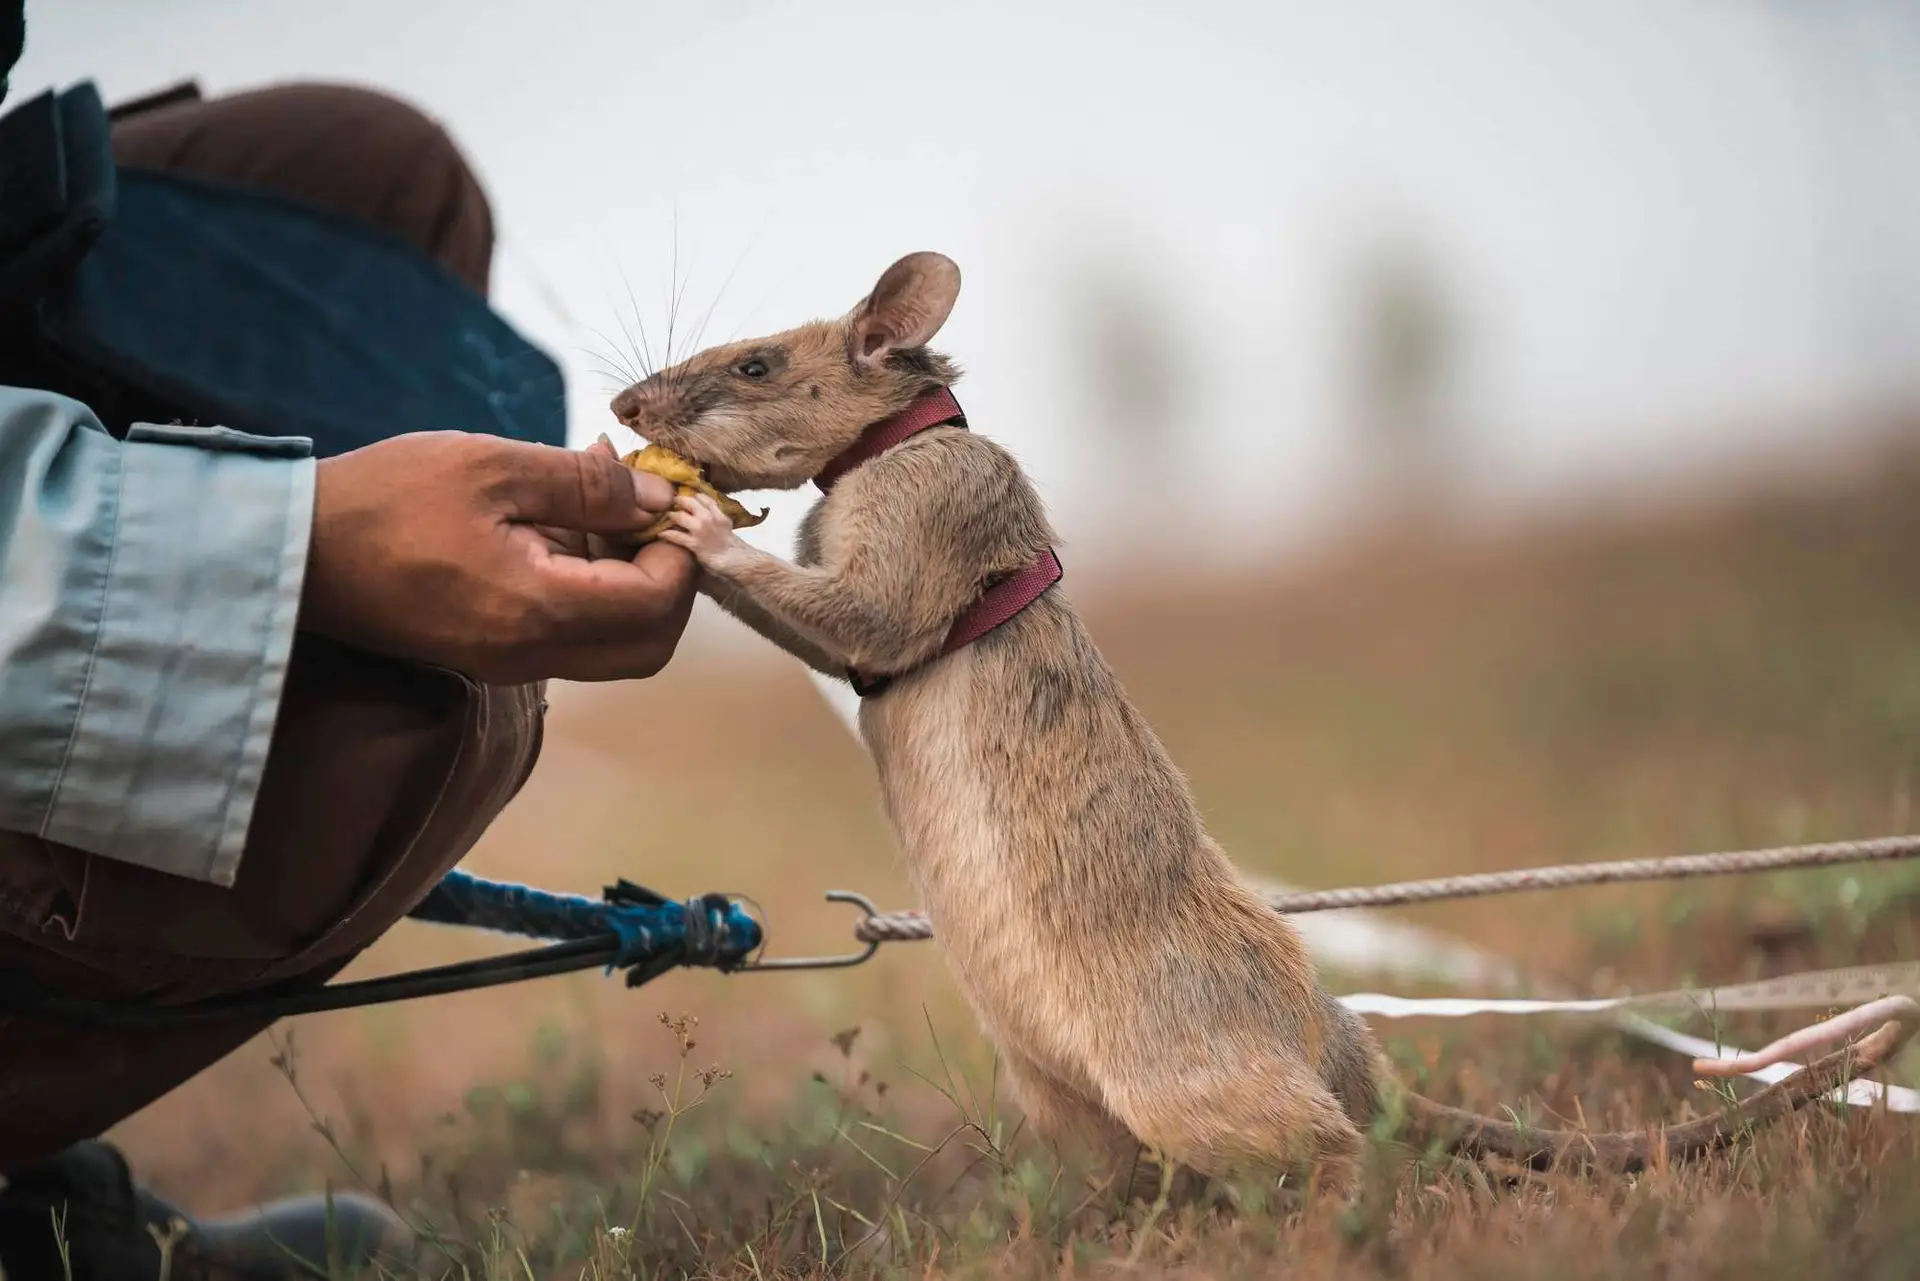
{"x":905,"y":310}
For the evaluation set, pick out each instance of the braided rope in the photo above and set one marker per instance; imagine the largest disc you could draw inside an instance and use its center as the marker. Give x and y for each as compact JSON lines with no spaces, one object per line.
{"x":908,"y":927}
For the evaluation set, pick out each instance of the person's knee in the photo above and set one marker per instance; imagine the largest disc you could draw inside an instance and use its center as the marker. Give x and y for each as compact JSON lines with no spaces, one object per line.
{"x":354,"y":150}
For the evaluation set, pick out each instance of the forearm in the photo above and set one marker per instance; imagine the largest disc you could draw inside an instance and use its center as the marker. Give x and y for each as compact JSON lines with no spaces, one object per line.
{"x":148,"y":595}
{"x":737,"y":604}
{"x":862,"y":626}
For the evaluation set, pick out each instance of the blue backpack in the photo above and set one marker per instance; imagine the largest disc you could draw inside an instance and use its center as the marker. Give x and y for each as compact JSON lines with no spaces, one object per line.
{"x":153,"y":297}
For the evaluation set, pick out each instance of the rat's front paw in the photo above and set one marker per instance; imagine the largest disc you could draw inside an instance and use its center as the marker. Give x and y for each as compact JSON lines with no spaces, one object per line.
{"x":703,"y":529}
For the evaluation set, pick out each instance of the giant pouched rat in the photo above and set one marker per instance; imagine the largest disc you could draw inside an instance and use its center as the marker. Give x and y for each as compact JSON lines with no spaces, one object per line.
{"x":1138,"y":989}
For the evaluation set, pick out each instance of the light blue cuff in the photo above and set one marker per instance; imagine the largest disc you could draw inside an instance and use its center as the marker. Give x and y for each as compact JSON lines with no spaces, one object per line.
{"x":171,"y":567}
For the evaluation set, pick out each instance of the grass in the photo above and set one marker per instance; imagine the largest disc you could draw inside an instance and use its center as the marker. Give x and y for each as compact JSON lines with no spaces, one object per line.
{"x":1732,"y":675}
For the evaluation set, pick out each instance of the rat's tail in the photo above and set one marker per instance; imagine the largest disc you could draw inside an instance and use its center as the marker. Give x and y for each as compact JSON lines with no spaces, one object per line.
{"x":1625,"y":1151}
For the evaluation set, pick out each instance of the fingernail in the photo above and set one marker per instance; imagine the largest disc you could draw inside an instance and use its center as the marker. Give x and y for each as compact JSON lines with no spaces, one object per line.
{"x":652,"y":493}
{"x":605,"y":440}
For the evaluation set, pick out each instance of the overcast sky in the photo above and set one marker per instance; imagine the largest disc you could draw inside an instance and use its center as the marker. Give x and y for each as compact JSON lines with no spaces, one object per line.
{"x":1661,"y":220}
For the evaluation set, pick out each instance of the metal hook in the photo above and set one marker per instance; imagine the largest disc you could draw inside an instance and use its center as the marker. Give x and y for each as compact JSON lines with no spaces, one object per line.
{"x":861,"y":901}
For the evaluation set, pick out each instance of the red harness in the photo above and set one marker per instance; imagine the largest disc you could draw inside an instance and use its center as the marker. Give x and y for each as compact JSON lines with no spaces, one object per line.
{"x":1003,"y":598}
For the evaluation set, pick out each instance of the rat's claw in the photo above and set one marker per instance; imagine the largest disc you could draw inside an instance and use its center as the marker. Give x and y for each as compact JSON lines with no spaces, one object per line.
{"x":698,"y":524}
{"x":699,"y":513}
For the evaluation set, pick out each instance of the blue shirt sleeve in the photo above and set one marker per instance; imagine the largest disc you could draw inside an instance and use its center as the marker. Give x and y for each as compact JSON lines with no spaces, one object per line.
{"x":149,"y":590}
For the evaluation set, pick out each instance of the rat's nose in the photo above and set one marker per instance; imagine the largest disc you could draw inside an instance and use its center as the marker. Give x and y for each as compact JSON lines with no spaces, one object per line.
{"x":626,"y":406}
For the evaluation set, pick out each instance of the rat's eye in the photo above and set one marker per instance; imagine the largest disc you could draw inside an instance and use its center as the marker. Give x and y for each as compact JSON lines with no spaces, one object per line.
{"x":751,"y":369}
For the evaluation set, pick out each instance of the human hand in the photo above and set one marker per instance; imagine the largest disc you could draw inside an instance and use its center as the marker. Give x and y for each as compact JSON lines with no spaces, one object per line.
{"x":495,"y":558}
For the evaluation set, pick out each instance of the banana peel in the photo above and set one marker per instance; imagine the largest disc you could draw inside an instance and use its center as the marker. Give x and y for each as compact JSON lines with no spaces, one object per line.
{"x":684,"y":475}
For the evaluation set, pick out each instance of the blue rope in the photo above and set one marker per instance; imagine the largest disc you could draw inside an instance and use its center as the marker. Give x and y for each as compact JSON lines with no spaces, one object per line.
{"x":711,"y":930}
{"x":646,"y":935}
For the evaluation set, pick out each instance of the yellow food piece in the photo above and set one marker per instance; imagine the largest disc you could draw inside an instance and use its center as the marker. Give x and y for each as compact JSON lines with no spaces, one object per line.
{"x":686,"y":478}
{"x":665,"y":464}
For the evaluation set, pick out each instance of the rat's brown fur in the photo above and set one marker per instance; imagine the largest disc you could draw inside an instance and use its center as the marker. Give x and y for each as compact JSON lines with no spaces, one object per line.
{"x":1137,"y":988}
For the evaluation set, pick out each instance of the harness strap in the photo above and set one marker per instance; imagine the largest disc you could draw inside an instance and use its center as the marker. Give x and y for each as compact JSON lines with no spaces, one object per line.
{"x":1004,"y":597}
{"x":937,"y":408}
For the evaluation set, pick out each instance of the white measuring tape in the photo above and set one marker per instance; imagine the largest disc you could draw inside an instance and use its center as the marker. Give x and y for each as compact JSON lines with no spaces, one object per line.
{"x":1361,"y":941}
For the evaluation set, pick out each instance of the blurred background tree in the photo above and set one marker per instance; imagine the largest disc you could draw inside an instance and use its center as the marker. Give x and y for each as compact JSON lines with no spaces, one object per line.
{"x":1404,"y":346}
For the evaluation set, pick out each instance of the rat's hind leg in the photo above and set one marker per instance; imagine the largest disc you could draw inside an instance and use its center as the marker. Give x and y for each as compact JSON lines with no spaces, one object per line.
{"x":1057,"y":1114}
{"x":1265,"y":1117}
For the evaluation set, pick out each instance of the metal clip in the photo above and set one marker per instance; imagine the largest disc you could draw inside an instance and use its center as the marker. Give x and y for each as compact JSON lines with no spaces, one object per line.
{"x":861,"y":901}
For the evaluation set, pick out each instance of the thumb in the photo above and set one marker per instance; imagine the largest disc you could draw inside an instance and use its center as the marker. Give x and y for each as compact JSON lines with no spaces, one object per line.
{"x":583,"y":490}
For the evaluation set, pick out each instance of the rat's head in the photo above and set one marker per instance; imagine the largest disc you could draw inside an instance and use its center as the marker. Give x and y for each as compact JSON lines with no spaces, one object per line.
{"x":770,"y":413}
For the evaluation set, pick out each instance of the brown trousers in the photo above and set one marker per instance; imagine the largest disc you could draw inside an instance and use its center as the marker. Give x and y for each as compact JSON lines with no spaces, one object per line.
{"x":382,"y":775}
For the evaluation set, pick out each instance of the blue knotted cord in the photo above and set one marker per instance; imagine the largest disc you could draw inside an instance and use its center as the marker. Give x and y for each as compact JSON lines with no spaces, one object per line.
{"x":712,"y":930}
{"x":631,"y":928}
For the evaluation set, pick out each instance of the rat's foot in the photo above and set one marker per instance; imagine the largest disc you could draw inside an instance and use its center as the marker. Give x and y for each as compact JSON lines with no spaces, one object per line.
{"x":703,"y":529}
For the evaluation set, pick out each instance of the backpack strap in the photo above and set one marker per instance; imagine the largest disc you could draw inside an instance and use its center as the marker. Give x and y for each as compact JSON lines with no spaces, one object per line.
{"x":56,"y":170}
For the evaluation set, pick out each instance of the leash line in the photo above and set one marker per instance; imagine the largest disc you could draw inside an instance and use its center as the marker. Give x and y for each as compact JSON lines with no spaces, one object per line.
{"x":914,"y":926}
{"x":646,"y":934}
{"x":629,"y":928}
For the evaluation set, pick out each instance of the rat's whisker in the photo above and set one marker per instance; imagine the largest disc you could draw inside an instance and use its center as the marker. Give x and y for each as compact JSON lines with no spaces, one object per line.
{"x":550,"y":297}
{"x":673,"y":284}
{"x":715,"y":304}
{"x":609,"y":355}
{"x":677,"y":287}
{"x":624,"y":354}
{"x":701,"y":332}
{"x":756,"y":309}
{"x":643,"y":353}
{"x":641,"y":356}
{"x":621,"y":381}
{"x":678,"y":299}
